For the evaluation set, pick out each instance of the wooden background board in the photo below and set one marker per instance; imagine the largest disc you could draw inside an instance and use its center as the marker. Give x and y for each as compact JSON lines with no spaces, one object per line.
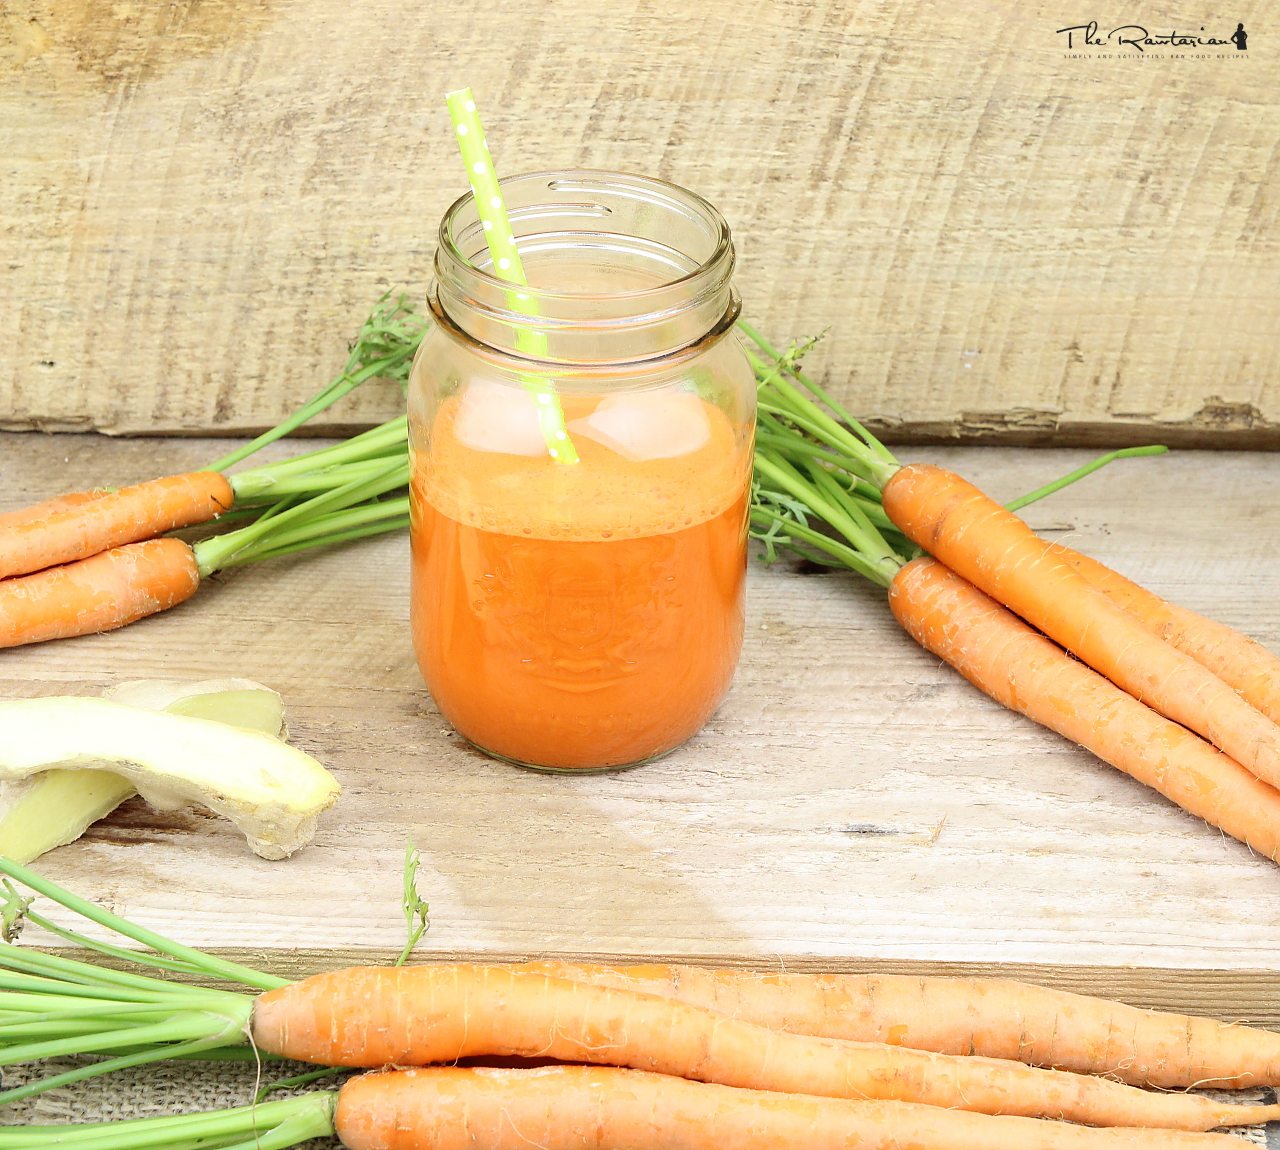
{"x":853,"y":804}
{"x":200,"y":201}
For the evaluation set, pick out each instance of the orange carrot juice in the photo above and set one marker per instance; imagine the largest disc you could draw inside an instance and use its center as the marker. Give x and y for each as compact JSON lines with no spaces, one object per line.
{"x":580,"y":616}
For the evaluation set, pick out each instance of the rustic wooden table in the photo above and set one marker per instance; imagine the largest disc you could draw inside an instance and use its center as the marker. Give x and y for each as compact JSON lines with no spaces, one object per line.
{"x":853,"y":805}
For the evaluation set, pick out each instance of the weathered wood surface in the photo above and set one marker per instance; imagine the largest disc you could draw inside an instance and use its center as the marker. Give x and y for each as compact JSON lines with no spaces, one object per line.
{"x":1005,"y":239}
{"x":854,"y":803}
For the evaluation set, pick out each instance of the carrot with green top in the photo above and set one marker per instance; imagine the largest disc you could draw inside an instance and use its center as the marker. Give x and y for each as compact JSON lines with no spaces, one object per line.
{"x":853,"y":480}
{"x":418,"y":1015}
{"x":990,"y":1017}
{"x":58,"y":1007}
{"x":588,"y":1108}
{"x":143,"y":511}
{"x":368,"y":1017}
{"x":830,"y":490}
{"x":124,"y":584}
{"x":1000,"y":554}
{"x":71,"y":527}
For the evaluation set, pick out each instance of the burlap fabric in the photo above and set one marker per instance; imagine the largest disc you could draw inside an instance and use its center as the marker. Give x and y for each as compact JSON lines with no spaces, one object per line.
{"x":182,"y":1088}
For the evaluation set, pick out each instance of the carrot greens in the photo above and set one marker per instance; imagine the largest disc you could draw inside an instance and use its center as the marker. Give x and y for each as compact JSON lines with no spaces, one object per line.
{"x":383,"y":348}
{"x":52,"y":1006}
{"x":819,"y":473}
{"x":260,"y":1126}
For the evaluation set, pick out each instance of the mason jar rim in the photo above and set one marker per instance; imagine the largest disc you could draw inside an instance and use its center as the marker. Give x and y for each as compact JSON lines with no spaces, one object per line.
{"x":716,"y":267}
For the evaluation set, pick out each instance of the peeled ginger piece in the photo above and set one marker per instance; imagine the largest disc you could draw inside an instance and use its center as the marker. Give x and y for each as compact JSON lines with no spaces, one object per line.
{"x":109,"y":747}
{"x":239,"y":702}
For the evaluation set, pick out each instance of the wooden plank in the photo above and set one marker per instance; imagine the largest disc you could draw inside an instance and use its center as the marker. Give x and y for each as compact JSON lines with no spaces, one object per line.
{"x":853,"y":805}
{"x":1006,"y":239}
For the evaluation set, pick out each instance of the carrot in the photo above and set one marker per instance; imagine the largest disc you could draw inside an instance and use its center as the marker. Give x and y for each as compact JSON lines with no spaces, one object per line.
{"x":126,"y":516}
{"x":830,"y":491}
{"x":1237,"y":660}
{"x":39,"y":511}
{"x":589,"y":1108}
{"x":75,"y":526}
{"x":123,"y":584}
{"x":64,"y":1007}
{"x":990,"y":1017}
{"x":413,"y":1016}
{"x":100,"y":593}
{"x":997,"y":552}
{"x":1020,"y":668}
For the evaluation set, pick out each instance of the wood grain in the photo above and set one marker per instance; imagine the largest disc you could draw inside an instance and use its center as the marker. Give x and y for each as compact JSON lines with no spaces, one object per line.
{"x":1005,"y":240}
{"x":853,"y":804}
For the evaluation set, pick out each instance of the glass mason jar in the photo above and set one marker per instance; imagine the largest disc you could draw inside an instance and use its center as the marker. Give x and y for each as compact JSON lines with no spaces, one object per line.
{"x":581,"y":615}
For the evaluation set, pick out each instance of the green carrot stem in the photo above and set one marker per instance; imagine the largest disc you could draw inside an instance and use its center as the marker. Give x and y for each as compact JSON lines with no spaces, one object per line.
{"x":869,"y":440}
{"x":41,"y":1028}
{"x":299,"y":1128}
{"x":19,"y":1008}
{"x":262,"y":1124}
{"x":310,"y":482}
{"x":778,"y":397}
{"x":770,"y":434}
{"x":28,"y":985}
{"x":785,"y":476}
{"x":266,"y":481}
{"x":113,"y":1065}
{"x":32,"y":1004}
{"x":157,"y":961}
{"x":207,"y":964}
{"x":783,"y":399}
{"x":869,"y":540}
{"x":1081,"y":472}
{"x":297,"y":1080}
{"x":325,"y":528}
{"x":219,"y":551}
{"x":48,"y":967}
{"x":184,"y":1027}
{"x":381,"y":527}
{"x":416,"y":910}
{"x":384,"y":346}
{"x":844,"y":555}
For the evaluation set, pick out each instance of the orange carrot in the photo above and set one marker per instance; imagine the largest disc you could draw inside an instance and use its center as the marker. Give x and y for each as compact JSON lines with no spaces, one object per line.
{"x":131,"y":514}
{"x":990,"y":1017}
{"x":1236,"y":659}
{"x":591,"y":1107}
{"x":40,"y":511}
{"x":100,"y":593}
{"x":407,"y":1016}
{"x":1020,"y":668}
{"x":997,"y":552}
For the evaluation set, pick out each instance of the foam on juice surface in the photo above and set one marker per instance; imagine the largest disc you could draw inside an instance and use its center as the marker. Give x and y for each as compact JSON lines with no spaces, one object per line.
{"x":650,"y":463}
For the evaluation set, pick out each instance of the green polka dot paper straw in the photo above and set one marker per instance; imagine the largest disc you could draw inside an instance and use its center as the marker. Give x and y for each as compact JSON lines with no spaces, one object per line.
{"x":506,"y":260}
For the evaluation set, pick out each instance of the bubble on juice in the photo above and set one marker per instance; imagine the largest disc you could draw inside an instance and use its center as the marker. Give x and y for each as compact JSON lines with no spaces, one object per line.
{"x":497,"y":419}
{"x":648,"y":425}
